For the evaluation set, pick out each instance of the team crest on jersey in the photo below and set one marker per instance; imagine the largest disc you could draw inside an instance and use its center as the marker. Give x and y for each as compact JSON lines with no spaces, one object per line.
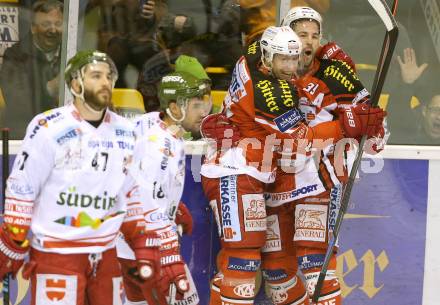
{"x":273,"y":236}
{"x":55,"y":289}
{"x":254,"y":212}
{"x":310,"y":222}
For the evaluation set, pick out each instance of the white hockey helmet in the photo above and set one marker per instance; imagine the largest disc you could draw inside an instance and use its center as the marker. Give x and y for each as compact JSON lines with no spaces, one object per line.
{"x":300,"y":13}
{"x":279,"y":40}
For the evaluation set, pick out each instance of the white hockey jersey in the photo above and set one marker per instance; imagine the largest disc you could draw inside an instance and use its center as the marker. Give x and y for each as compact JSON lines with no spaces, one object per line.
{"x":159,"y":170}
{"x":65,"y":182}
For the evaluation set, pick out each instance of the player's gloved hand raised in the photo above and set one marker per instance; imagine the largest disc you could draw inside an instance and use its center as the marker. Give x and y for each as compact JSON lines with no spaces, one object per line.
{"x":332,"y":51}
{"x":173,"y":273}
{"x":376,"y":144}
{"x":146,"y":249}
{"x":361,"y":119}
{"x":218,"y":128}
{"x":12,"y":254}
{"x":184,"y":218}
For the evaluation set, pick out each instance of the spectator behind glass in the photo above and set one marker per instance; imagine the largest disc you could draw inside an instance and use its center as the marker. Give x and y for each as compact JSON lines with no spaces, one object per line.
{"x":140,"y":31}
{"x":30,"y":69}
{"x":149,"y":80}
{"x":429,"y":131}
{"x":257,"y":15}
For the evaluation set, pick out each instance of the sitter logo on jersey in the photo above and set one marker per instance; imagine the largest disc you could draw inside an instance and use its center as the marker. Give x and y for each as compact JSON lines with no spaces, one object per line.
{"x":310,"y":222}
{"x":273,"y":240}
{"x":241,"y":264}
{"x":229,"y":205}
{"x":288,"y":120}
{"x":252,"y":48}
{"x":342,"y":77}
{"x":254,"y":212}
{"x":73,"y":199}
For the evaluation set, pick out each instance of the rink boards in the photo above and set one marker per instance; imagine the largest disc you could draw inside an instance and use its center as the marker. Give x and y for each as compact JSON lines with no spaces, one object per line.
{"x":389,"y":239}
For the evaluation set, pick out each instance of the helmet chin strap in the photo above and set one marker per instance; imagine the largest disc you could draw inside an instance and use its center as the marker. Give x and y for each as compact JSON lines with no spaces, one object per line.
{"x":177,"y":128}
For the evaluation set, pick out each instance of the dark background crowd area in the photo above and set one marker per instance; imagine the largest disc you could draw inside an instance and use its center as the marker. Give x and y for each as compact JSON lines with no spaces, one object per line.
{"x":144,"y":43}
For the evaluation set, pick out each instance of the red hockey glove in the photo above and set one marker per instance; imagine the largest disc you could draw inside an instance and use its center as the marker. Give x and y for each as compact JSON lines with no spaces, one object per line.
{"x":184,"y":218}
{"x":376,"y":143}
{"x":146,"y":249}
{"x":218,"y":128}
{"x":360,"y":120}
{"x":332,"y":51}
{"x":173,"y":273}
{"x":11,"y":254}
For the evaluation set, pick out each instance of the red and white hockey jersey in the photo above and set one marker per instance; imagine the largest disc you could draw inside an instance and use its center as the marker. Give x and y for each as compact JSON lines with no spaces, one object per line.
{"x":65,"y":182}
{"x":158,"y":169}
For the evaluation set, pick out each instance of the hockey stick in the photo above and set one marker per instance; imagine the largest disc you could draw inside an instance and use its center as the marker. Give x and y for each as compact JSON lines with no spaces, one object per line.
{"x":388,"y":46}
{"x":5,"y":173}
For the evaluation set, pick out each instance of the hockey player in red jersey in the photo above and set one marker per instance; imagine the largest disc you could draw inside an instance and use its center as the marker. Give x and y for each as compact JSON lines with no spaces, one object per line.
{"x":329,"y":89}
{"x":67,"y":188}
{"x":262,"y":104}
{"x":159,"y":160}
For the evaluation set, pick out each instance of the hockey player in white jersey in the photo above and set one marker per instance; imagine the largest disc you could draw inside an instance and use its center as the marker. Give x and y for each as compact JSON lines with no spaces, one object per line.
{"x":66,"y":188}
{"x":160,"y":158}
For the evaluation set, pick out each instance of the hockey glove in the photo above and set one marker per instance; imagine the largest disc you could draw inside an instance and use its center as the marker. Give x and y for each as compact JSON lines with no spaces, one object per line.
{"x":218,"y":128}
{"x":11,"y":254}
{"x":146,"y":249}
{"x":332,"y":51}
{"x":184,"y":218}
{"x":173,"y":273}
{"x":376,"y":143}
{"x":361,"y":119}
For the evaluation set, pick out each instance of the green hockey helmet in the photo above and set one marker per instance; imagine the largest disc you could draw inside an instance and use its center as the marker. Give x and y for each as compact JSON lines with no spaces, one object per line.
{"x":83,"y":58}
{"x":180,"y":87}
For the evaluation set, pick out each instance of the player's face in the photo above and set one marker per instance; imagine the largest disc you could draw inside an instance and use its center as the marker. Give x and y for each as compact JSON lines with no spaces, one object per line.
{"x":197,"y":109}
{"x":98,"y":85}
{"x":431,"y":114}
{"x":47,"y":29}
{"x":285,"y":66}
{"x":308,"y":32}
